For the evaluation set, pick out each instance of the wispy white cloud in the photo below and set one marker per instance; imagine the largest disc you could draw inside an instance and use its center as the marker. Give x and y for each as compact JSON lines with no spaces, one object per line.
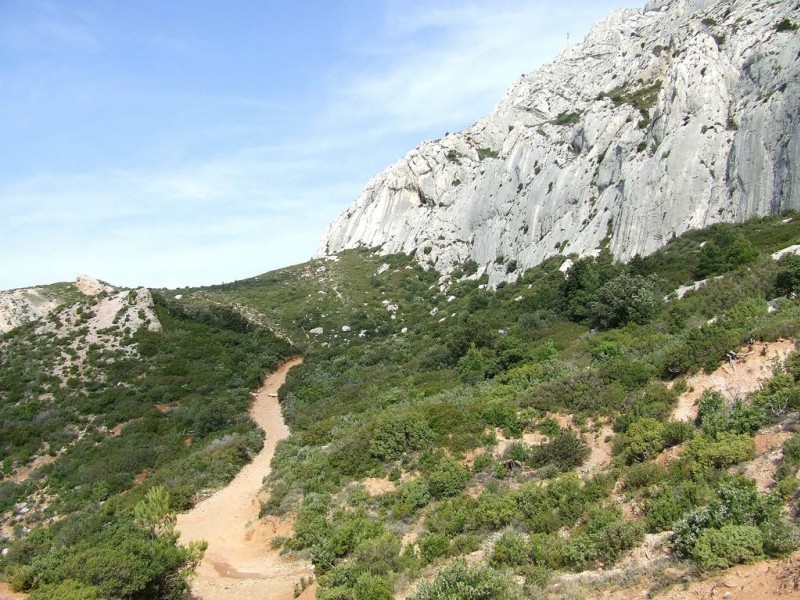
{"x":446,"y":62}
{"x":239,"y":183}
{"x":224,"y":219}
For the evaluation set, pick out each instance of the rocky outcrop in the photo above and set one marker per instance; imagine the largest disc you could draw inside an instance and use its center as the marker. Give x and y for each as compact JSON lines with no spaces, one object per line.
{"x":671,"y":117}
{"x":110,"y":308}
{"x":127,"y":310}
{"x":18,"y":307}
{"x":89,"y":286}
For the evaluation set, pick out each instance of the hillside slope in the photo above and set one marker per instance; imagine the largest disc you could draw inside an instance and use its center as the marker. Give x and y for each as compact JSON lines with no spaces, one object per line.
{"x":672,"y":117}
{"x":525,"y":440}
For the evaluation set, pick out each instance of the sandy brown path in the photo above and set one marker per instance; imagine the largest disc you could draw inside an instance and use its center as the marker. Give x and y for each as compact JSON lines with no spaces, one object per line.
{"x":7,"y":594}
{"x":239,"y":562}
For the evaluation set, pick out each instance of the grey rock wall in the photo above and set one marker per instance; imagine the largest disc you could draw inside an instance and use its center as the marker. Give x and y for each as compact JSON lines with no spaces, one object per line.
{"x":672,"y":117}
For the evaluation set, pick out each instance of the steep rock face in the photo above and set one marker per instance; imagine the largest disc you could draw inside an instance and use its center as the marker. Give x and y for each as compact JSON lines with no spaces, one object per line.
{"x":672,"y":117}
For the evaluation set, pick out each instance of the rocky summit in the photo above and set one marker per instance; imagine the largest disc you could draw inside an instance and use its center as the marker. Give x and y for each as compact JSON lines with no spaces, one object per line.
{"x":667,"y":118}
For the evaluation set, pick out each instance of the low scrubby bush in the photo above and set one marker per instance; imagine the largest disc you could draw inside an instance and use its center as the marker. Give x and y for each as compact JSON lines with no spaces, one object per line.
{"x":468,"y":582}
{"x":727,"y":546}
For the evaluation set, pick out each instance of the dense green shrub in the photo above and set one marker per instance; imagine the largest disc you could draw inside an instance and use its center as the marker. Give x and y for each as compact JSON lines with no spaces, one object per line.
{"x":465,"y":582}
{"x":642,"y":475}
{"x":547,"y":550}
{"x":673,"y":501}
{"x":787,"y":281}
{"x":433,"y":546}
{"x":604,"y":537}
{"x":632,"y":374}
{"x":565,"y":451}
{"x":477,"y":364}
{"x":727,"y":546}
{"x":726,"y":450}
{"x":448,"y":478}
{"x":700,"y":347}
{"x":66,"y":590}
{"x":579,"y":290}
{"x":494,"y":510}
{"x":625,"y":299}
{"x":712,"y":413}
{"x":415,"y":493}
{"x":737,"y":503}
{"x":727,"y":250}
{"x":616,"y":538}
{"x":452,"y":516}
{"x":677,"y":432}
{"x":373,"y":587}
{"x":655,"y":401}
{"x":510,"y":550}
{"x":643,"y":440}
{"x":582,"y":392}
{"x":396,"y":434}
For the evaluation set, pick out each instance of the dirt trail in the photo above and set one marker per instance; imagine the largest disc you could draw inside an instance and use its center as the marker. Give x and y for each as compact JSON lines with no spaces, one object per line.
{"x":7,"y":594}
{"x":765,"y":580}
{"x":739,"y":379}
{"x":239,"y":562}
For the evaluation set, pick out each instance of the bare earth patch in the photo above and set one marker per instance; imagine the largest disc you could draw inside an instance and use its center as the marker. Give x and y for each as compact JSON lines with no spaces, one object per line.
{"x":732,"y":380}
{"x":378,"y":487}
{"x":769,"y":448}
{"x":761,"y":581}
{"x":600,"y":457}
{"x":7,"y":594}
{"x":239,"y":562}
{"x":23,"y":473}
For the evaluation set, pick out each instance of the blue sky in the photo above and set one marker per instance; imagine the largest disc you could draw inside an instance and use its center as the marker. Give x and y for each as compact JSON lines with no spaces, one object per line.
{"x":192,"y":142}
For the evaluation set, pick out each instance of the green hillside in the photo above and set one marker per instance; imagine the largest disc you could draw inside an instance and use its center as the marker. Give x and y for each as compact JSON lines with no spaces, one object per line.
{"x":431,"y":421}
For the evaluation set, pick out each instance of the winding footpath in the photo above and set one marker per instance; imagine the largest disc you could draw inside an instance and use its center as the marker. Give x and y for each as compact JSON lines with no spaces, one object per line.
{"x":239,"y":562}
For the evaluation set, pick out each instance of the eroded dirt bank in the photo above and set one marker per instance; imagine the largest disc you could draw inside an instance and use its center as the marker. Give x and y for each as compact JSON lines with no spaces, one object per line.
{"x":239,"y":562}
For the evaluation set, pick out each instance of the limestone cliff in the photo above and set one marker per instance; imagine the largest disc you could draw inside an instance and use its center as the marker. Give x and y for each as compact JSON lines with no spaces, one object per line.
{"x":671,"y":117}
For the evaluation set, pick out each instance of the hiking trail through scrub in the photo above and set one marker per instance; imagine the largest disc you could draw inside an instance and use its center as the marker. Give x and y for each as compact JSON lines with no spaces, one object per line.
{"x":239,"y":562}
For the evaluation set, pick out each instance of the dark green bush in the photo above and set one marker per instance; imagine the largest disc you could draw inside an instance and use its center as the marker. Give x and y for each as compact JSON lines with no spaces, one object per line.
{"x":511,"y":550}
{"x":727,"y":546}
{"x":547,"y":550}
{"x":737,"y":503}
{"x":677,"y":432}
{"x":712,"y":413}
{"x":625,"y":299}
{"x":494,"y":510}
{"x":460,"y":581}
{"x":565,"y":451}
{"x":399,"y":433}
{"x":701,"y":347}
{"x":433,"y":546}
{"x":675,"y":500}
{"x":452,"y":516}
{"x":644,"y":475}
{"x":66,"y":590}
{"x":643,"y":440}
{"x":787,"y":281}
{"x":632,"y":374}
{"x":448,"y":478}
{"x":373,"y":587}
{"x":726,"y":450}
